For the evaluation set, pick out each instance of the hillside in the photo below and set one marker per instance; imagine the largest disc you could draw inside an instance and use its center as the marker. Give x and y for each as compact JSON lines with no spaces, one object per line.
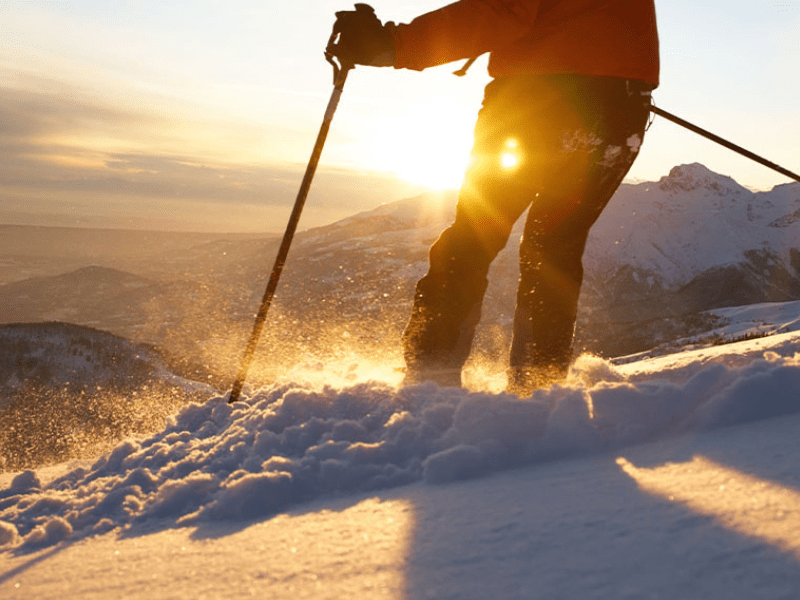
{"x":663,"y":473}
{"x":69,"y":391}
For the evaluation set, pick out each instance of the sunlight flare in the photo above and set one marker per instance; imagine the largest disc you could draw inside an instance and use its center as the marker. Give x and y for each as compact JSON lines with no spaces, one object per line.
{"x":509,"y":158}
{"x":738,"y":501}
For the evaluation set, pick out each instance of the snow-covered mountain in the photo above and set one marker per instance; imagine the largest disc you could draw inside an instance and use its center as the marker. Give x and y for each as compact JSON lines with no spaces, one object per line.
{"x":691,"y":221}
{"x":661,"y":255}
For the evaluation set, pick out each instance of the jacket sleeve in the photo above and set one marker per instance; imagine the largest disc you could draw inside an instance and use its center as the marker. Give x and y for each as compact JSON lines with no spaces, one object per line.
{"x":462,"y":30}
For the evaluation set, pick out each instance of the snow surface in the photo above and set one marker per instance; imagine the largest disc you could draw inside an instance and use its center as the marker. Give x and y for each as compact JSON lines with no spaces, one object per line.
{"x":311,"y":491}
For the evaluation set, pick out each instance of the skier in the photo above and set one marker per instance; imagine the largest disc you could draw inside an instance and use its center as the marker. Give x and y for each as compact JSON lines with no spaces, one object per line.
{"x":561,"y":124}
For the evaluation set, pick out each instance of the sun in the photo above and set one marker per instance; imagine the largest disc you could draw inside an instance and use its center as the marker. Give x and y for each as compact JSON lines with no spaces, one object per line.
{"x":437,"y":167}
{"x":428,"y":146}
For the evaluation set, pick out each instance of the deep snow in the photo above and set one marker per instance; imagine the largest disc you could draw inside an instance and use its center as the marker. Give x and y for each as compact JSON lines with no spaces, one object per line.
{"x":324,"y":472}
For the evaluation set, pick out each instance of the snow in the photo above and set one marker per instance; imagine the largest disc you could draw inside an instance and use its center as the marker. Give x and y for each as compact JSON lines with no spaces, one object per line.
{"x":758,"y":318}
{"x":691,"y":221}
{"x":669,"y":477}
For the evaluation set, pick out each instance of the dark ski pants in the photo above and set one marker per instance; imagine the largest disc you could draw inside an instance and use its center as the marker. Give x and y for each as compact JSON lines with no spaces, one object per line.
{"x":558,"y":146}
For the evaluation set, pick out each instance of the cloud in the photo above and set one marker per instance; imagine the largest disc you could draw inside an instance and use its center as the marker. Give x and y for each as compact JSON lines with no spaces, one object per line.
{"x":63,"y":146}
{"x":55,"y":108}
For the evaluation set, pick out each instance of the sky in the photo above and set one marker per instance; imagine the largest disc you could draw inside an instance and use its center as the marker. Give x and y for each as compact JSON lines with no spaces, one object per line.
{"x":202,"y":115}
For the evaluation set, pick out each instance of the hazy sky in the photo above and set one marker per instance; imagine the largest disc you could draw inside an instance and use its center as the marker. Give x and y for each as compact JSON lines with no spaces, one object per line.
{"x":201,"y":114}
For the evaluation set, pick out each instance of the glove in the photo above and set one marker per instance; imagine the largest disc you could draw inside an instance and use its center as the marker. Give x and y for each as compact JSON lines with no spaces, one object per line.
{"x":361,"y":39}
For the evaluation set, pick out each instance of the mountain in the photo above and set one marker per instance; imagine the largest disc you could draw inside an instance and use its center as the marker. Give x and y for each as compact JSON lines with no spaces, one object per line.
{"x":179,"y":311}
{"x":32,"y":251}
{"x":662,"y":253}
{"x":691,"y":221}
{"x":660,"y":257}
{"x":85,"y":295}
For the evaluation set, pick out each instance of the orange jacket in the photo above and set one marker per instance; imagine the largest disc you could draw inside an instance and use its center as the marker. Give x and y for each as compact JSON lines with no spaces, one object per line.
{"x":612,"y":38}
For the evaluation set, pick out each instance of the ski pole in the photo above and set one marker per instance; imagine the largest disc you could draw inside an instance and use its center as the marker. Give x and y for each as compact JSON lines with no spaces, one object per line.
{"x":731,"y":146}
{"x":340,"y":72}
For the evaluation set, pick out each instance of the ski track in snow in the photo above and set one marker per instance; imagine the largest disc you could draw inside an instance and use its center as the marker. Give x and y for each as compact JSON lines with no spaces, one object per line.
{"x":295,"y":442}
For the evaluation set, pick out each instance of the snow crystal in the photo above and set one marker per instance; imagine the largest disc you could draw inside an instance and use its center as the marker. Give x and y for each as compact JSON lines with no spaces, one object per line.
{"x":292,"y":442}
{"x":634,"y":142}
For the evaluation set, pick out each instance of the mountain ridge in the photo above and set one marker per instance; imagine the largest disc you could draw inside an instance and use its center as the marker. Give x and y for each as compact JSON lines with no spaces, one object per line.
{"x":660,"y":255}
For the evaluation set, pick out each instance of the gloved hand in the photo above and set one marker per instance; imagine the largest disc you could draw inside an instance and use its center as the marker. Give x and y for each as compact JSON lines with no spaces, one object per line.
{"x":359,"y":38}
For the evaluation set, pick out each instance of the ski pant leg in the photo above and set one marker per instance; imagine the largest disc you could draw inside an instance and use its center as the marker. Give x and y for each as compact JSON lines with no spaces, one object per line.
{"x":596,"y":157}
{"x":575,"y":138}
{"x":447,"y":301}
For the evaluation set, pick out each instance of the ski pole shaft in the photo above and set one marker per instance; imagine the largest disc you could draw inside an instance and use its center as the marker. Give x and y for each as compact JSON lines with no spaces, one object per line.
{"x":731,"y":146}
{"x":283,"y":251}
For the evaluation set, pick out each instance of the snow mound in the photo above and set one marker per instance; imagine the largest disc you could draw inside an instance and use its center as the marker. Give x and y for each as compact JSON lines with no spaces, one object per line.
{"x":292,"y":443}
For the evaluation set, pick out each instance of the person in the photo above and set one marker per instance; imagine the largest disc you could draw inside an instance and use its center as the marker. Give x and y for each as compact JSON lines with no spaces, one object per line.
{"x":562,"y":121}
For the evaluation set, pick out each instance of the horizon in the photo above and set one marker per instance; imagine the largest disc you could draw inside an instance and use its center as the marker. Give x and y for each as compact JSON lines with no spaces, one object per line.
{"x":103,"y":225}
